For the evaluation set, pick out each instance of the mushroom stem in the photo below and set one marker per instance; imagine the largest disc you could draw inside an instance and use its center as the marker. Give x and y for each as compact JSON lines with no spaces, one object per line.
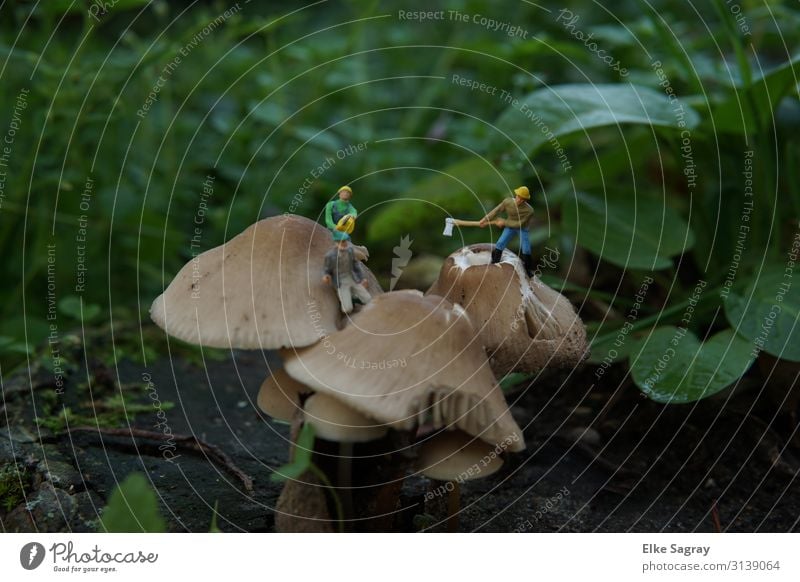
{"x":344,"y":468}
{"x":294,"y":431}
{"x":453,"y":506}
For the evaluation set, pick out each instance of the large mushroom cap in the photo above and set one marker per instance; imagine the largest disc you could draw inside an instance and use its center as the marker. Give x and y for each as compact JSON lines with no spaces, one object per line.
{"x":525,"y":325}
{"x":407,"y":360}
{"x":456,"y":456}
{"x":261,"y":290}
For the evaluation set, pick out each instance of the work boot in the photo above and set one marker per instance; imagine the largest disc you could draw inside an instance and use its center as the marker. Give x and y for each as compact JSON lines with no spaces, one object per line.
{"x":527,"y":262}
{"x":497,"y":254}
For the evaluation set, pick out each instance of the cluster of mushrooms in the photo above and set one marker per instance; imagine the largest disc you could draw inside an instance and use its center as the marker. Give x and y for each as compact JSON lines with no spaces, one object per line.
{"x":406,"y":384}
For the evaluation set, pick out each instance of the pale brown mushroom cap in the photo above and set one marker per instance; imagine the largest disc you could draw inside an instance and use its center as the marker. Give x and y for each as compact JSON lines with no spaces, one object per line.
{"x":280,"y":396}
{"x":335,"y":421}
{"x":262,"y":289}
{"x":456,"y":456}
{"x":408,"y":360}
{"x":525,"y":325}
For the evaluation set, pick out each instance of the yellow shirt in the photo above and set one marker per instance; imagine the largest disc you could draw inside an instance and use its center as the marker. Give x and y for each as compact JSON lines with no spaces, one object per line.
{"x":516,"y":216}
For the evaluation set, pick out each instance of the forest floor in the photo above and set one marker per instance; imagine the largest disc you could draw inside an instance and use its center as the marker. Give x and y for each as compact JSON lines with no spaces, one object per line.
{"x":599,"y":457}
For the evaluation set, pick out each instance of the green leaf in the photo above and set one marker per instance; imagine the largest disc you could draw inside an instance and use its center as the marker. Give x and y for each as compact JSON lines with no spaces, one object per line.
{"x":214,"y":527}
{"x":133,"y":508}
{"x":71,"y":306}
{"x":767,"y":311}
{"x":512,"y":379}
{"x":736,"y":113}
{"x":303,"y":452}
{"x":633,"y":232}
{"x":564,"y":109}
{"x":460,"y":190}
{"x":673,"y":367}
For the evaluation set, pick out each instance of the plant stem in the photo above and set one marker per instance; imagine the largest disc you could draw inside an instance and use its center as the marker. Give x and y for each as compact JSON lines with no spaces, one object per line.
{"x":663,"y":315}
{"x":319,"y":474}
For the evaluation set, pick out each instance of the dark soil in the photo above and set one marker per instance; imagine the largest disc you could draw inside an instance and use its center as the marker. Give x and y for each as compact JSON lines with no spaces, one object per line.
{"x":600,"y":456}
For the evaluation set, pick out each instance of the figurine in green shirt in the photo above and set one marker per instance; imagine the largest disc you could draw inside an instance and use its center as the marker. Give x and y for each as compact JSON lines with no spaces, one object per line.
{"x":335,"y":210}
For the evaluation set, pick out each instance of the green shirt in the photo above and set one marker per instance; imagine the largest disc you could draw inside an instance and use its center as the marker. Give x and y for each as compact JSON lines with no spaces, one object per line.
{"x":337,"y":208}
{"x":516,"y":216}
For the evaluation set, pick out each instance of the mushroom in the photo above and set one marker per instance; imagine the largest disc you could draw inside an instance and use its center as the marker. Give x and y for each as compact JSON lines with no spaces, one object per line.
{"x":280,"y":396}
{"x":302,"y":507}
{"x":259,"y":290}
{"x":409,"y":360}
{"x":524,"y":325}
{"x":335,"y":421}
{"x":452,"y":457}
{"x":456,"y":456}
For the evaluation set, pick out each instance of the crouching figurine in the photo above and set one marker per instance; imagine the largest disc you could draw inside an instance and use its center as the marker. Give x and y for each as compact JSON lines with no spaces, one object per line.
{"x":345,"y":272}
{"x":518,"y":217}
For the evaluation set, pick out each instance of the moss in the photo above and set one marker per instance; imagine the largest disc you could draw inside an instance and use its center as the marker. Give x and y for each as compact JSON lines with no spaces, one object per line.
{"x":13,"y":485}
{"x":109,"y":412}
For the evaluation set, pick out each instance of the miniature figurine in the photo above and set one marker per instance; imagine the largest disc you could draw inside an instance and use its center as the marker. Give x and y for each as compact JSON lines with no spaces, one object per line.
{"x":336,"y":213}
{"x":518,"y":216}
{"x":345,"y":272}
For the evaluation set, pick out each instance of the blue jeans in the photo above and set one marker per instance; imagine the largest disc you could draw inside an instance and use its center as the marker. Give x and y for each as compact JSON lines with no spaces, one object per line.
{"x":509,"y":233}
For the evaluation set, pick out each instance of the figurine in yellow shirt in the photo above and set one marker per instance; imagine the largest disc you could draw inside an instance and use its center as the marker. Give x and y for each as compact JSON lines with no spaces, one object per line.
{"x":518,"y":217}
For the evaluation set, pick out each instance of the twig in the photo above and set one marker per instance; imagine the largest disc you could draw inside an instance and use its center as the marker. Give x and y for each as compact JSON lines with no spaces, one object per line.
{"x":187,"y":441}
{"x":715,"y":516}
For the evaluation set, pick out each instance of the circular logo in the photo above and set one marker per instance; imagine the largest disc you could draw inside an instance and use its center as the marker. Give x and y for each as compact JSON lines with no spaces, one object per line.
{"x":31,"y":555}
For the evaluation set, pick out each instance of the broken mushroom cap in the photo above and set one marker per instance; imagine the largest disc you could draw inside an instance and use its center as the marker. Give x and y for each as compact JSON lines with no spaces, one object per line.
{"x":262,"y":289}
{"x":335,"y":421}
{"x":407,"y":360}
{"x":280,"y":396}
{"x":525,"y":325}
{"x":456,"y":456}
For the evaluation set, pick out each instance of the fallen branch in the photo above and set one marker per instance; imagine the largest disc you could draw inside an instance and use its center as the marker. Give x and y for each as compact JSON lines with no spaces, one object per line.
{"x":185,"y":441}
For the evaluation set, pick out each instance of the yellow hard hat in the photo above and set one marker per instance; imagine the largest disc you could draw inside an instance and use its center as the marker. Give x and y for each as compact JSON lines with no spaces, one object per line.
{"x":346,"y":224}
{"x":522,"y":192}
{"x":348,"y":188}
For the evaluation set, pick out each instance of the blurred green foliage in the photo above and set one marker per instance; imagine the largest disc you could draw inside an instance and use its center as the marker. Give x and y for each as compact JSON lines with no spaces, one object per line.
{"x":122,"y":116}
